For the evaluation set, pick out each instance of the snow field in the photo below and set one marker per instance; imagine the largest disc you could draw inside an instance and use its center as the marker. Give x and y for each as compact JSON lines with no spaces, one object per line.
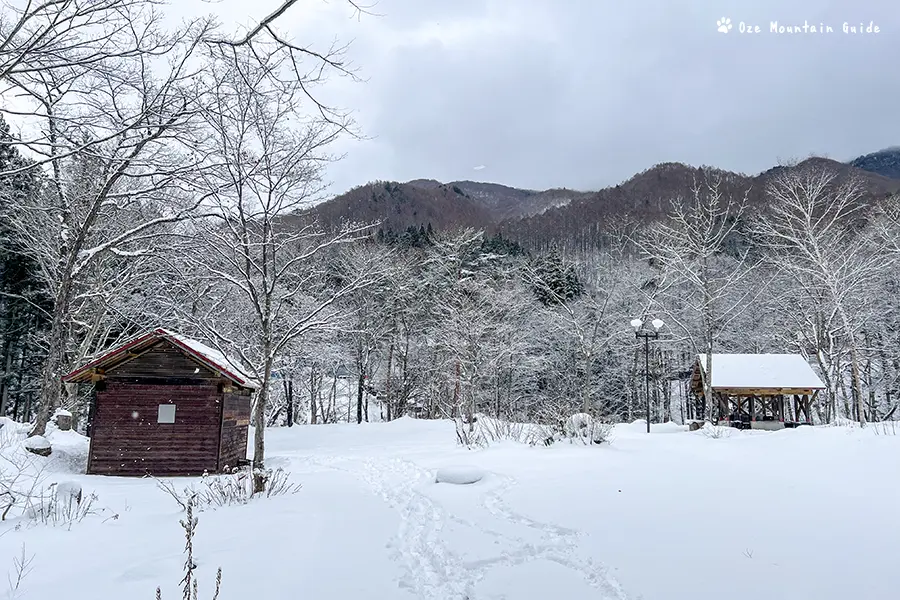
{"x":791,"y":514}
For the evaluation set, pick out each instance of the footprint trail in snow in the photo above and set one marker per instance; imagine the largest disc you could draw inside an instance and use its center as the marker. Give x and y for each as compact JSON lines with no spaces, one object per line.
{"x":433,"y":570}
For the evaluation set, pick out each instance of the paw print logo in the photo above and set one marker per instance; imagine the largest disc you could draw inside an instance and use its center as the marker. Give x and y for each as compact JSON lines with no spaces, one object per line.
{"x":723,"y":24}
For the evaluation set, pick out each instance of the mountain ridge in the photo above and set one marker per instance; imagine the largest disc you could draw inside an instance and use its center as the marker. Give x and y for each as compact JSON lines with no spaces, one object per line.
{"x":885,"y":162}
{"x":545,"y":216}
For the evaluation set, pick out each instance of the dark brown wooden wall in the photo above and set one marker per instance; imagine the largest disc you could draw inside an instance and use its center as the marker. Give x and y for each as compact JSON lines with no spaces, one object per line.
{"x":127,"y":440}
{"x":235,"y":427}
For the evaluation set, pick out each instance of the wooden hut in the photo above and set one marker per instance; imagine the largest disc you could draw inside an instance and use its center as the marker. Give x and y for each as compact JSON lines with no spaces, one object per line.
{"x":758,"y":391}
{"x":166,"y":405}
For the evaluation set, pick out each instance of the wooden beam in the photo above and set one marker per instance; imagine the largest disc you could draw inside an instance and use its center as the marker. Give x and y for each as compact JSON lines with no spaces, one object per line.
{"x":764,"y":391}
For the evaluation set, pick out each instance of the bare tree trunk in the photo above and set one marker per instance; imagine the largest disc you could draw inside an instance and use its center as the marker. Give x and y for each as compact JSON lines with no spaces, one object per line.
{"x":387,"y":382}
{"x":456,"y":384}
{"x":403,"y":400}
{"x":312,"y":394}
{"x":289,"y":396}
{"x":359,"y":398}
{"x":19,"y":386}
{"x":870,"y":387}
{"x":856,"y":385}
{"x":707,"y":382}
{"x":51,"y":382}
{"x":332,"y":402}
{"x":586,"y":385}
{"x":7,"y":378}
{"x":259,"y":434}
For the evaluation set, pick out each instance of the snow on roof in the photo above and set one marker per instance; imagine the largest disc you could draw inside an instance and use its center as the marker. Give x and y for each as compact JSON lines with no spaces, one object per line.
{"x":761,"y":371}
{"x":214,"y":357}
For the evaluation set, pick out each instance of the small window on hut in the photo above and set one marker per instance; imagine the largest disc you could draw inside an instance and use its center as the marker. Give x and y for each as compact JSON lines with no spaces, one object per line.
{"x":166,"y":413}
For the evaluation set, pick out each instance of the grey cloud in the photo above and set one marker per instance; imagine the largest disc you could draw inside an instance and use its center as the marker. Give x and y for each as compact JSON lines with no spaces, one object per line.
{"x":582,"y":94}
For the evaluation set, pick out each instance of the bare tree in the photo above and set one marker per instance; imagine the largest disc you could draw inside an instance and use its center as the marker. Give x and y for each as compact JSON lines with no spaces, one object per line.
{"x":102,"y":83}
{"x":114,"y":145}
{"x":265,"y":42}
{"x":690,"y":251}
{"x":369,"y":325}
{"x":582,"y":320}
{"x":475,"y":305}
{"x":271,"y":264}
{"x":52,"y":34}
{"x":816,"y":233}
{"x":405,"y":309}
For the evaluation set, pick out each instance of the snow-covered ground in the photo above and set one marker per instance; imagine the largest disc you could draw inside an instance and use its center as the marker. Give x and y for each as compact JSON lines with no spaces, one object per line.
{"x":795,"y":514}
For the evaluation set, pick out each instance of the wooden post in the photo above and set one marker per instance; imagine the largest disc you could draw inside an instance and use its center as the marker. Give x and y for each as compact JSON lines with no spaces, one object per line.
{"x":63,"y":420}
{"x":92,"y":409}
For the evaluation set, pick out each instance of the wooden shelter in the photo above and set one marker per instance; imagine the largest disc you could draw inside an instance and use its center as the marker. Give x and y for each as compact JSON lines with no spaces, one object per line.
{"x":166,"y":405}
{"x":759,"y":391}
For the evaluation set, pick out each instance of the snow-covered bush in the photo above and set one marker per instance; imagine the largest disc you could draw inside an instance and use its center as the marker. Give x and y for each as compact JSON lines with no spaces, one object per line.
{"x":23,"y":493}
{"x":12,"y":432}
{"x":717,"y":431}
{"x":216,"y":491}
{"x":61,"y":505}
{"x":483,"y":430}
{"x":468,"y":433}
{"x":586,"y":429}
{"x":26,"y":488}
{"x":21,"y":480}
{"x":886,"y":428}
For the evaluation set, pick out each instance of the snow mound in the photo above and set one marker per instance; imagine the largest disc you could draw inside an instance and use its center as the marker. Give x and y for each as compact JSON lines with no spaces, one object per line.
{"x":70,"y":451}
{"x":668,"y":427}
{"x":7,"y":422}
{"x":636,"y":425}
{"x":37,"y":442}
{"x":459,"y":475}
{"x":12,"y":431}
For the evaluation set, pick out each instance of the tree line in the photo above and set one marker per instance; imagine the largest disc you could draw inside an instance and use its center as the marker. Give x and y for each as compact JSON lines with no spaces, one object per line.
{"x":158,"y":177}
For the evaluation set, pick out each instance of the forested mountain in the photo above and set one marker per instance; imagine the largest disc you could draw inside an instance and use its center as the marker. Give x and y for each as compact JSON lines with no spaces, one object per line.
{"x":562,"y":217}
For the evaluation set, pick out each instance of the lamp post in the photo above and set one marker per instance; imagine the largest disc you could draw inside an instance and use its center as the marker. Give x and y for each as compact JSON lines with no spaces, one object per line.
{"x":640,"y":332}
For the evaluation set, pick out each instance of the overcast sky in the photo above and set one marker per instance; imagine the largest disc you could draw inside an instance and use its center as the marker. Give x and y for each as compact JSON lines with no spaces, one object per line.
{"x":584,"y":93}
